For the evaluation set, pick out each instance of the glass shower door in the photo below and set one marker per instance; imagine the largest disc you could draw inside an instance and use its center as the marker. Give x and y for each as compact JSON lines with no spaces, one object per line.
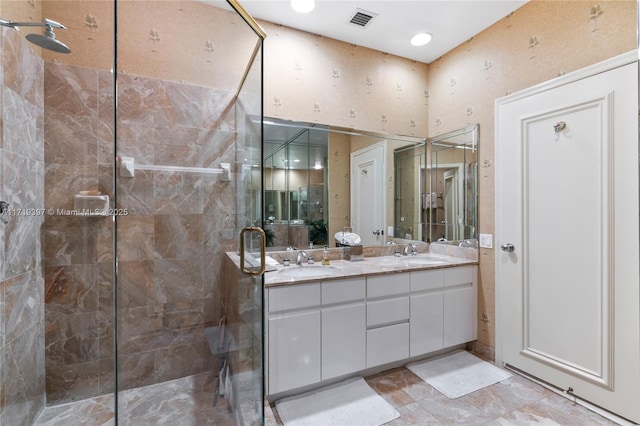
{"x":189,"y":120}
{"x":247,"y":321}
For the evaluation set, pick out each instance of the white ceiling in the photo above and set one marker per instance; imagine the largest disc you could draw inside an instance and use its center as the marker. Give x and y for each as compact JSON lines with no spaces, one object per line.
{"x":451,"y":22}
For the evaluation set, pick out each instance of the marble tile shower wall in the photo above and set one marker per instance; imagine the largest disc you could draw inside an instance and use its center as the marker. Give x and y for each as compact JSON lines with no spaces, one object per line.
{"x":22,"y":379}
{"x":78,"y":259}
{"x":170,"y":241}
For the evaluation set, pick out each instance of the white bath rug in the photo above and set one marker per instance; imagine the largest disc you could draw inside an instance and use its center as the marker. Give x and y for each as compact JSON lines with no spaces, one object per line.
{"x":348,"y":403}
{"x":458,"y":373}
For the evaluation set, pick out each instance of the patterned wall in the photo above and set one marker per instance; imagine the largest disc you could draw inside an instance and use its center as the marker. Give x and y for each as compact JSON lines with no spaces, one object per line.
{"x":320,"y":80}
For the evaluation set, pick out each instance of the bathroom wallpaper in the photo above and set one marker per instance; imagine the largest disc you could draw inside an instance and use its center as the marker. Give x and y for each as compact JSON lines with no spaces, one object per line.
{"x":316,"y":79}
{"x":539,"y":41}
{"x":183,"y":41}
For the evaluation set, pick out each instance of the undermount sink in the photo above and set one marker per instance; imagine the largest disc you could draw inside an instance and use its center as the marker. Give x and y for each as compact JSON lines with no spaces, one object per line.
{"x":307,"y":271}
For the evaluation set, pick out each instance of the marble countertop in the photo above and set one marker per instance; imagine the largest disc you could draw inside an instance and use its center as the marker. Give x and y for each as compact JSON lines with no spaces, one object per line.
{"x":339,"y":269}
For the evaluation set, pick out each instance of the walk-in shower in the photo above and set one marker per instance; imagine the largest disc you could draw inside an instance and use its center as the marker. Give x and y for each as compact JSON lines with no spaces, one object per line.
{"x":106,"y":316}
{"x":47,"y":40}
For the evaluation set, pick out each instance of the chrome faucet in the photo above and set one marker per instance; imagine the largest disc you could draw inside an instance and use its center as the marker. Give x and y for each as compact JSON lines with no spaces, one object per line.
{"x":301,"y":255}
{"x":414,"y":249}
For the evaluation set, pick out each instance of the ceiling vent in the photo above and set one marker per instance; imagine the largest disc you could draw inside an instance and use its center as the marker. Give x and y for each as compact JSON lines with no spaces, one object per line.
{"x":362,"y":17}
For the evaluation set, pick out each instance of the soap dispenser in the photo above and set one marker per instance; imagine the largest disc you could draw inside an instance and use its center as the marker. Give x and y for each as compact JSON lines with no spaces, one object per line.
{"x":325,"y":256}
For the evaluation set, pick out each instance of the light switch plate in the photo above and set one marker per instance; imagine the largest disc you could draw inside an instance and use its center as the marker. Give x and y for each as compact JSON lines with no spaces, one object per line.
{"x":390,"y":231}
{"x":486,"y":240}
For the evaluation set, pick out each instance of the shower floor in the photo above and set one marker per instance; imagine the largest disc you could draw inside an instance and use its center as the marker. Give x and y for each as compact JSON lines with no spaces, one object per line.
{"x":184,"y":401}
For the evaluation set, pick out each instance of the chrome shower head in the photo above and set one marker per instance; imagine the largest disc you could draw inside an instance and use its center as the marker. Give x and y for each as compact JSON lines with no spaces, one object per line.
{"x":46,"y":41}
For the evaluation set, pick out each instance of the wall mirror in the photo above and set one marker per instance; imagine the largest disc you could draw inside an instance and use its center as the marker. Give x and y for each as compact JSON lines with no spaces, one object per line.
{"x":295,"y":176}
{"x":450,"y":206}
{"x":308,"y":180}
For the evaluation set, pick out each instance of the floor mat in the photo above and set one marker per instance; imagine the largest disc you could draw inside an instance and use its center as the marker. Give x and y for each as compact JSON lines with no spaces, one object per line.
{"x":348,"y":403}
{"x":458,"y":373}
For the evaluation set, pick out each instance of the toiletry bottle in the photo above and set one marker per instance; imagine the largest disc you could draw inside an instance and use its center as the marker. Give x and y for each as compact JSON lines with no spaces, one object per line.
{"x":325,"y":256}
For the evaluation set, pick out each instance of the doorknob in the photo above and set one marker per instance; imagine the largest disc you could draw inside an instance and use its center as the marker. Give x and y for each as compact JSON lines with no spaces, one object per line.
{"x":508,"y":247}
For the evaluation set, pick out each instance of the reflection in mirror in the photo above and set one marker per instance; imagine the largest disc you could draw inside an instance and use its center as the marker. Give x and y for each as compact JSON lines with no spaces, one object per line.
{"x":451,"y":205}
{"x":295,"y":195}
{"x":310,"y":200}
{"x":410,"y":170}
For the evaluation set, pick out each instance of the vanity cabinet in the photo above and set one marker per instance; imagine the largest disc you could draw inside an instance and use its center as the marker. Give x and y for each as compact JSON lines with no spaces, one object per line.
{"x":330,"y":329}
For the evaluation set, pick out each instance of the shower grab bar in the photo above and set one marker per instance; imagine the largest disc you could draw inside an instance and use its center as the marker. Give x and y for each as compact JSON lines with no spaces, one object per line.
{"x":128,"y":167}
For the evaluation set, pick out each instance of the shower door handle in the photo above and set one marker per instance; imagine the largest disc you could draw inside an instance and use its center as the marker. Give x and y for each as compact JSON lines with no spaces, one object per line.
{"x":263,"y":242}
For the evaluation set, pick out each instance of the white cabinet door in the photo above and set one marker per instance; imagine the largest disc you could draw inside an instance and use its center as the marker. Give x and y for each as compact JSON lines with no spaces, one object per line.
{"x":294,"y":351}
{"x":426,"y":330}
{"x":460,"y":305}
{"x":460,"y":322}
{"x":343,"y":340}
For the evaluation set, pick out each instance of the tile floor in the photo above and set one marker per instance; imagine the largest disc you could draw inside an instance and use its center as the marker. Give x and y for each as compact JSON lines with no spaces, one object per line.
{"x":515,"y":401}
{"x":188,"y":402}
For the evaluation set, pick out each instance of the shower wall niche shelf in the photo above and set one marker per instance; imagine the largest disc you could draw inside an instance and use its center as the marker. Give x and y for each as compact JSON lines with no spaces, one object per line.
{"x":89,"y":204}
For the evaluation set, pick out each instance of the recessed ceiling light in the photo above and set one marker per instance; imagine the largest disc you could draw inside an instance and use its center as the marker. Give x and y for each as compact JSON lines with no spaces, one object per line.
{"x":421,"y":39}
{"x":303,"y":6}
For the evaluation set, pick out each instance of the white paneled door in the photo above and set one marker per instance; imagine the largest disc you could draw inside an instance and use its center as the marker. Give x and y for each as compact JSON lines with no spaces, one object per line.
{"x":368,"y":193}
{"x":567,"y":262}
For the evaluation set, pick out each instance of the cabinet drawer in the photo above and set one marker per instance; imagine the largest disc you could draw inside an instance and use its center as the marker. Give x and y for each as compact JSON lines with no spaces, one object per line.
{"x":427,"y":280}
{"x":343,"y":291}
{"x":294,"y":297}
{"x":387,"y":311}
{"x":387,"y":344}
{"x":388,"y":285}
{"x":462,"y":276}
